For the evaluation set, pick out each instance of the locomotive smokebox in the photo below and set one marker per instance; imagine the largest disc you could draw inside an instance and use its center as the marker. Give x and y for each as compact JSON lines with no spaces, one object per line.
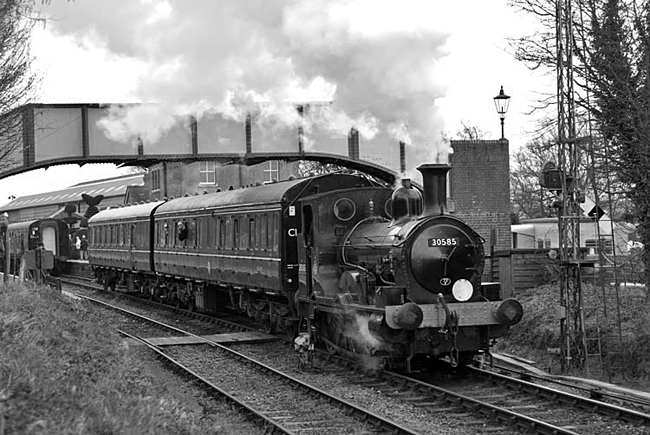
{"x":434,"y":181}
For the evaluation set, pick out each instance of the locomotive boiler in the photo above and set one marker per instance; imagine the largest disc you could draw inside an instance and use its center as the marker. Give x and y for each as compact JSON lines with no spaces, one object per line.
{"x":368,"y":270}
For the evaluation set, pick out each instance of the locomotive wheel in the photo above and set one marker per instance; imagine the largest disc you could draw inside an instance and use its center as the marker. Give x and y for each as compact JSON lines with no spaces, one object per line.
{"x":332,"y":333}
{"x":291,"y":330}
{"x":108,"y":283}
{"x":268,"y":325}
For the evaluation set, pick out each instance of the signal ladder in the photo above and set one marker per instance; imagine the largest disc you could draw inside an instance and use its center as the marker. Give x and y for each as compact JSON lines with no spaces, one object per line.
{"x":602,"y":311}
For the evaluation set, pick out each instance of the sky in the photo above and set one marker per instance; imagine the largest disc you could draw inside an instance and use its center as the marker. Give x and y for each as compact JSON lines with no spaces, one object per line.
{"x":412,"y":69}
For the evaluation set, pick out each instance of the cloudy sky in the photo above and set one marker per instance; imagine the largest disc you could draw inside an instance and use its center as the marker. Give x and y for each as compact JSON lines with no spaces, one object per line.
{"x":413,"y":69}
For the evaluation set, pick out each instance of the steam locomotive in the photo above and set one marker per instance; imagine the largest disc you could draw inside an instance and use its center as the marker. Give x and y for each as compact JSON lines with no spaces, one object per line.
{"x":372,"y":271}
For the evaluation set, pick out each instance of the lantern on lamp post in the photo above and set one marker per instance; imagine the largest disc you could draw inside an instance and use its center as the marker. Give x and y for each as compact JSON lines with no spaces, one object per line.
{"x":501,"y":102}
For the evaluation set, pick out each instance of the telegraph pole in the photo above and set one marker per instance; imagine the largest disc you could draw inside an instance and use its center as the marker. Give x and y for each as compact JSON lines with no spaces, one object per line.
{"x":573,"y":347}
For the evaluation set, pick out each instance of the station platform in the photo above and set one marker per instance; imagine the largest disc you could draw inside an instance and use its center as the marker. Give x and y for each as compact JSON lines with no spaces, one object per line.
{"x":78,"y":267}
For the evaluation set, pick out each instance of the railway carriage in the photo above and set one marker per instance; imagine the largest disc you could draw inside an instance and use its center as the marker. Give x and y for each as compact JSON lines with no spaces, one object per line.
{"x":246,"y":248}
{"x":359,"y":262}
{"x":120,"y":241}
{"x":48,"y":234}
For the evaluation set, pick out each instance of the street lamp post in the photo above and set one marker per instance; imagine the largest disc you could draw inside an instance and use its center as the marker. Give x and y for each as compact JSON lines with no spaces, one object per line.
{"x":501,"y":102}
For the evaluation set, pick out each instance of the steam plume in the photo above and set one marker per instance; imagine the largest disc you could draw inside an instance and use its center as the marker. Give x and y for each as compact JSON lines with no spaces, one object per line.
{"x":375,"y":61}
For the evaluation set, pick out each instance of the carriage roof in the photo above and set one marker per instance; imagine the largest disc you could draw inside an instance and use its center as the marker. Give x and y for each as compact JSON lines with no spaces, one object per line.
{"x":20,"y":225}
{"x":123,"y":213}
{"x":267,"y":194}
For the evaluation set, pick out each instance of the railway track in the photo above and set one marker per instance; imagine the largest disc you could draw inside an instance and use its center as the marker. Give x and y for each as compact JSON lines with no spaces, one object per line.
{"x":597,"y":391}
{"x":281,"y":403}
{"x":530,"y":407}
{"x":483,"y":401}
{"x":503,"y":400}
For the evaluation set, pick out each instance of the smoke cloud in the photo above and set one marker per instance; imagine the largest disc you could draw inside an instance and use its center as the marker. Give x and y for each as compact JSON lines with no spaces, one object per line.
{"x":373,"y":63}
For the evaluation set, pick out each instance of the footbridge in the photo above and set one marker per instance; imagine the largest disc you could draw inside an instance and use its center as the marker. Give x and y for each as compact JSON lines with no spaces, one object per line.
{"x":43,"y":135}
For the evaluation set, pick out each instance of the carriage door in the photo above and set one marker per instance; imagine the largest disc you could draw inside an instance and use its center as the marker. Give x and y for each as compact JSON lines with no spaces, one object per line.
{"x":129,"y":243}
{"x":308,"y":233}
{"x":292,"y":223}
{"x":48,"y":238}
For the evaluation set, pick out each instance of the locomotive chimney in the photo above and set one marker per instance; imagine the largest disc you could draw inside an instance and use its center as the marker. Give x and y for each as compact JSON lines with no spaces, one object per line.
{"x":353,"y":144}
{"x":434,"y":180}
{"x":402,"y":157}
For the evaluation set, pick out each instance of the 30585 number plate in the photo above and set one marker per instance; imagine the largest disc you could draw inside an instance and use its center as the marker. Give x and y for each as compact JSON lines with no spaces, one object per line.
{"x":435,"y":242}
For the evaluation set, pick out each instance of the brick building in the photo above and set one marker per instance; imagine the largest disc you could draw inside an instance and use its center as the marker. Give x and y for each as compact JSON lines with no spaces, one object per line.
{"x":479,"y":189}
{"x":175,"y":179}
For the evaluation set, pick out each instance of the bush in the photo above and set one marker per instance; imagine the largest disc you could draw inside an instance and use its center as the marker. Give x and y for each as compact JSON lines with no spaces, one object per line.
{"x":625,"y":355}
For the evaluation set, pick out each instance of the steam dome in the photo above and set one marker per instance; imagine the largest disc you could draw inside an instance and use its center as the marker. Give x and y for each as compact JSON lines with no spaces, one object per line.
{"x":406,"y":203}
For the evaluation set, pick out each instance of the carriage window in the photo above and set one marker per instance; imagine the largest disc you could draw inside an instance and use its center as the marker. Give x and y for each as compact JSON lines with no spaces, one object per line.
{"x":228,"y":237}
{"x":244,"y":234}
{"x":235,"y":233}
{"x":162,"y":227}
{"x":269,"y":232}
{"x":222,"y":233}
{"x":212,"y":232}
{"x":251,"y":233}
{"x":276,"y":231}
{"x":263,"y":244}
{"x":192,"y":233}
{"x":200,"y":229}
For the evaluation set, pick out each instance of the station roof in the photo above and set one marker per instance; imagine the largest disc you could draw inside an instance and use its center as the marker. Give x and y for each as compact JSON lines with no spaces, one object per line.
{"x":108,"y":187}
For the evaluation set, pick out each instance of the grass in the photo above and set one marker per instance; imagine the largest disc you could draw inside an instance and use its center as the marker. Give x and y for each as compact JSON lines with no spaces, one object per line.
{"x":539,"y":331}
{"x":63,"y":371}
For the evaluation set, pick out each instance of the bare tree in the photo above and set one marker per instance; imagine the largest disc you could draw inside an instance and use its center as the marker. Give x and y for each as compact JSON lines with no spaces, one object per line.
{"x":470,"y":132}
{"x":611,"y":43}
{"x":529,"y":200}
{"x":18,"y":83}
